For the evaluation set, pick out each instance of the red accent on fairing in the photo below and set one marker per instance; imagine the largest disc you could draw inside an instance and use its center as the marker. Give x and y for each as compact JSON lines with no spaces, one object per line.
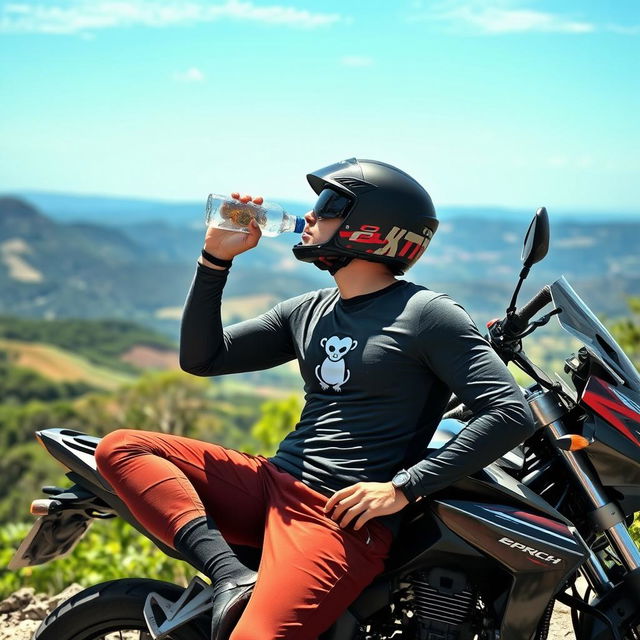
{"x":532,"y":517}
{"x":545,"y":522}
{"x":595,"y":398}
{"x":544,"y":564}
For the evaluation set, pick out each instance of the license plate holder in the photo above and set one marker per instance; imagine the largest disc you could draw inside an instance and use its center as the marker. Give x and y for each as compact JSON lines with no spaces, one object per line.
{"x":52,"y":536}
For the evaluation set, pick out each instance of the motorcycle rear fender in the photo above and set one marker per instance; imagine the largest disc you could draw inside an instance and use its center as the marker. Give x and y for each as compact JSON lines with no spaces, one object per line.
{"x":76,"y":450}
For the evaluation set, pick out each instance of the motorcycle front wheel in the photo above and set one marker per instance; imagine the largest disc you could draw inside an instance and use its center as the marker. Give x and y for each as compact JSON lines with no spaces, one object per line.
{"x":113,"y":611}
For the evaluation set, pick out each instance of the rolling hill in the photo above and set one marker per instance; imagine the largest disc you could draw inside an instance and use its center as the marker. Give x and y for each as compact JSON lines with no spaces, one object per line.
{"x":131,"y":268}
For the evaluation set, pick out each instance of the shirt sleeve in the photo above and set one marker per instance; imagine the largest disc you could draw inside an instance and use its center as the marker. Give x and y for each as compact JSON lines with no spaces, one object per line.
{"x":451,"y":346}
{"x":208,"y":349}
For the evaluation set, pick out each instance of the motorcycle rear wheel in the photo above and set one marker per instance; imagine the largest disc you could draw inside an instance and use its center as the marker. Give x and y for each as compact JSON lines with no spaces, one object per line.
{"x":113,"y":611}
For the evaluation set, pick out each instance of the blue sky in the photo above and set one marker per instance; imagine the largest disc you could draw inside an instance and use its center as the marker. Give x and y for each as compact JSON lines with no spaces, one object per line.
{"x":505,"y":102}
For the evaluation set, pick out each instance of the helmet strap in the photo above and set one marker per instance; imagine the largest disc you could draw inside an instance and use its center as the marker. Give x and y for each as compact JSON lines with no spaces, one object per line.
{"x":332,"y":264}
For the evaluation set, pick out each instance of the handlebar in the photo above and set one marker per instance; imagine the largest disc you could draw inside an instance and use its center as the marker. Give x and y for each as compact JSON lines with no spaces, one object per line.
{"x":520,"y":319}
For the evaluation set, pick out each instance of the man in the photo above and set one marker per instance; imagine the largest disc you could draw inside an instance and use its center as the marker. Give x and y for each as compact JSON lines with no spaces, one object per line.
{"x":379,"y":357}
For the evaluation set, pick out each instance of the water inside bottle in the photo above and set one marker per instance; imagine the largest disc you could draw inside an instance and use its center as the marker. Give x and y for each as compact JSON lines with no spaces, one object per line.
{"x":241,"y":213}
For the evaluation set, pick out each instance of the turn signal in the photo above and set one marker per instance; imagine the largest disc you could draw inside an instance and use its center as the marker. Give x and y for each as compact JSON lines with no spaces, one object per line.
{"x":573,"y":442}
{"x":44,"y":507}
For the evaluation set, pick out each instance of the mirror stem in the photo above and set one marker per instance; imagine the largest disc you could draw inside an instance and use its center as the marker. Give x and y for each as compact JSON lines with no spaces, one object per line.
{"x":512,"y":305}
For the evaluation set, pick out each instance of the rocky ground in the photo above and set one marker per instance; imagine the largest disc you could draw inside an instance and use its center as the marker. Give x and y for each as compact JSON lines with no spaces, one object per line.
{"x":22,"y":612}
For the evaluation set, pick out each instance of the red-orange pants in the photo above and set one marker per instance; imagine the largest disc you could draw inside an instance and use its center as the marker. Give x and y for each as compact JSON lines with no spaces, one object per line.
{"x":311,"y":569}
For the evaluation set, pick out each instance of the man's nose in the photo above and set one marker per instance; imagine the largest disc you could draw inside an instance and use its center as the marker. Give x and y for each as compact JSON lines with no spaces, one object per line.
{"x":310,"y":217}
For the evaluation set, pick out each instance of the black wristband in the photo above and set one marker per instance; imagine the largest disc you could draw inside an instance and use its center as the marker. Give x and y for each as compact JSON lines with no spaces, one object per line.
{"x":217,"y":261}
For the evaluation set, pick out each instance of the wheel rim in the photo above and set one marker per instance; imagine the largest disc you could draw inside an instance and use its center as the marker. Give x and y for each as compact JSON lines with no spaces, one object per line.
{"x":123,"y":634}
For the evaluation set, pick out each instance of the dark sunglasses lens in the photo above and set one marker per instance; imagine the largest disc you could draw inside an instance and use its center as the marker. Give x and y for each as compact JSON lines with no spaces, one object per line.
{"x":331,"y":204}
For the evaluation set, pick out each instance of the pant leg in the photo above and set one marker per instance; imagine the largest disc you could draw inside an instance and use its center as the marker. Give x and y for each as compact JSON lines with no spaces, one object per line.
{"x":311,"y":569}
{"x":167,"y":480}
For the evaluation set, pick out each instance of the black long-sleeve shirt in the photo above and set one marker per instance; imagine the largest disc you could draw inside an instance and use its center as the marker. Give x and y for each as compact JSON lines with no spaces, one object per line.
{"x":378,"y":371}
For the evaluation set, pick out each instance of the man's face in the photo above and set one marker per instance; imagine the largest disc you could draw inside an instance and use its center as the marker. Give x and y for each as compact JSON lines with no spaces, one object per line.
{"x":319,"y":231}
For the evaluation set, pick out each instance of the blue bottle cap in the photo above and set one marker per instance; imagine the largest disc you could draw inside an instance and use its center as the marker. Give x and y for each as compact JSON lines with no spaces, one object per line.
{"x":299,"y":225}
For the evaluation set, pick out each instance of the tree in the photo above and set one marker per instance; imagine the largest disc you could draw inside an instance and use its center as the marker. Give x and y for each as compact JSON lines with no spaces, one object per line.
{"x":278,"y":418}
{"x":170,"y":401}
{"x":627,"y":331}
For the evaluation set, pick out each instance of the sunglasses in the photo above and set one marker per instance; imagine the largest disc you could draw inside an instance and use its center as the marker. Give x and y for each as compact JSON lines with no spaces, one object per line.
{"x":331,"y":204}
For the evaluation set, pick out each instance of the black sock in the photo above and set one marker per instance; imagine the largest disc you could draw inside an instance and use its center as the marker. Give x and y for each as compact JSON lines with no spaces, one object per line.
{"x":202,"y":544}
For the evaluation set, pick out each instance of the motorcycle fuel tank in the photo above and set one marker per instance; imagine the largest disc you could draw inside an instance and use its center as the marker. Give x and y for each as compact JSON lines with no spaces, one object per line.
{"x":538,"y":552}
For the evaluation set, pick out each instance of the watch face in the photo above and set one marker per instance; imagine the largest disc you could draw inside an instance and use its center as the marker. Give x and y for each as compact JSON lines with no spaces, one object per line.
{"x":401,"y":478}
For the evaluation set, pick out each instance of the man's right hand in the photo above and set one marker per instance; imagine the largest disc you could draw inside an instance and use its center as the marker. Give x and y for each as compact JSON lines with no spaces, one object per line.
{"x":225,"y":244}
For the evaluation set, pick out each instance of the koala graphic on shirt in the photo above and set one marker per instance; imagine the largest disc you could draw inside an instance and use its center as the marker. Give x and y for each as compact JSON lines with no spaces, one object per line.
{"x":333,"y":371}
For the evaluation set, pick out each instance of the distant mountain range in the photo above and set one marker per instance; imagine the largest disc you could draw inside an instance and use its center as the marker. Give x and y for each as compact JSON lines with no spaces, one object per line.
{"x":135,"y":260}
{"x":114,"y":211}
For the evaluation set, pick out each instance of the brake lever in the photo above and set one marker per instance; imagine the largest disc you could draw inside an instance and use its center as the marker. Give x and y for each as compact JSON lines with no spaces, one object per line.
{"x":532,"y":326}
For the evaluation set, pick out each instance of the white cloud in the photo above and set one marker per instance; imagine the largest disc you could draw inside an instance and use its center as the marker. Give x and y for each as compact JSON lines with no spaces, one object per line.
{"x":624,"y":29}
{"x":356,"y":61}
{"x":78,"y":16}
{"x":502,"y":18}
{"x":190,"y":75}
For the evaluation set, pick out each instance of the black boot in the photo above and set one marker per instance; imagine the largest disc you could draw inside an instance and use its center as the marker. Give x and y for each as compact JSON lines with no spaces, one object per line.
{"x":229,"y":600}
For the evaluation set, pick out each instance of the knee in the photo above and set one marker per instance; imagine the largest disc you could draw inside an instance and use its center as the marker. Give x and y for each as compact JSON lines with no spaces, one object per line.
{"x":110,"y":446}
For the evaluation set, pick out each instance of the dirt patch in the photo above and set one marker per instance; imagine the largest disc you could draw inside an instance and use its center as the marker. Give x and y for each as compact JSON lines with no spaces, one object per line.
{"x":11,"y":253}
{"x":151,"y":357}
{"x":60,"y":365}
{"x":46,"y":361}
{"x":23,"y":611}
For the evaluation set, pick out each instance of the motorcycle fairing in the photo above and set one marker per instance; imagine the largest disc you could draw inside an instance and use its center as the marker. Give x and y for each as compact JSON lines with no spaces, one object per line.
{"x":494,"y":484}
{"x":539,"y":554}
{"x":427,"y":540}
{"x":619,"y":406}
{"x":613,"y":428}
{"x":578,"y":320}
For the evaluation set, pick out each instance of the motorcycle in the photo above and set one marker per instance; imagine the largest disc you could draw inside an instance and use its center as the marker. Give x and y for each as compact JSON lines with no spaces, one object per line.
{"x":486,"y":558}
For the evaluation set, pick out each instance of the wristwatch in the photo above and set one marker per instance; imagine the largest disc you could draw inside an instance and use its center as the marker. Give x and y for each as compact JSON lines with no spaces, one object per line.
{"x":401,"y":479}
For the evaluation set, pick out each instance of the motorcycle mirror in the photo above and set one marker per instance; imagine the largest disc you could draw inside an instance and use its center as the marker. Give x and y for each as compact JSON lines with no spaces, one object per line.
{"x":536,"y":245}
{"x":536,"y":242}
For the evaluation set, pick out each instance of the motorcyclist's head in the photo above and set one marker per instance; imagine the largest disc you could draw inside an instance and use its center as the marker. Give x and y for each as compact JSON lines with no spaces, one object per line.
{"x":368,"y":210}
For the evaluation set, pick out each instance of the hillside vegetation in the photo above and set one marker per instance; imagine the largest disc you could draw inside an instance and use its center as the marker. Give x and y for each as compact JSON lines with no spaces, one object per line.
{"x":101,"y":342}
{"x":225,"y":411}
{"x":142,"y":271}
{"x":94,"y":375}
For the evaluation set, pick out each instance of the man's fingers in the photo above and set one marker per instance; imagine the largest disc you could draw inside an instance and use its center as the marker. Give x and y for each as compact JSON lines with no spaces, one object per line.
{"x":343,"y":505}
{"x":352,"y":514}
{"x":361,"y":521}
{"x":339,"y":495}
{"x":255,"y":233}
{"x":247,"y":198}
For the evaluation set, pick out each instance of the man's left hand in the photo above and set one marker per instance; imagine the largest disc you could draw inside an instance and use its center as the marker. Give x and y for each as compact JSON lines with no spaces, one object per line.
{"x":365,"y":500}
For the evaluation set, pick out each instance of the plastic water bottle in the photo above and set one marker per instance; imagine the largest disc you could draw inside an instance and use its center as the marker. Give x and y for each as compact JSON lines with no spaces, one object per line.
{"x":233,"y":215}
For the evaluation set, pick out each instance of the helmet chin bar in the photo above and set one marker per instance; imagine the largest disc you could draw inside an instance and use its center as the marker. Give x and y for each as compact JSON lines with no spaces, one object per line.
{"x":332,"y":264}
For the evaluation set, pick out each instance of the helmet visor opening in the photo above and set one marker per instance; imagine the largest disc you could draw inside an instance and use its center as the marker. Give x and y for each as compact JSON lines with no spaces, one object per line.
{"x":331,"y":204}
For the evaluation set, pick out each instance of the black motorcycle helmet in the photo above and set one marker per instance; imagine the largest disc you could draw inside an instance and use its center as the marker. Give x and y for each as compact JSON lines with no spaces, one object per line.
{"x":387,"y":216}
